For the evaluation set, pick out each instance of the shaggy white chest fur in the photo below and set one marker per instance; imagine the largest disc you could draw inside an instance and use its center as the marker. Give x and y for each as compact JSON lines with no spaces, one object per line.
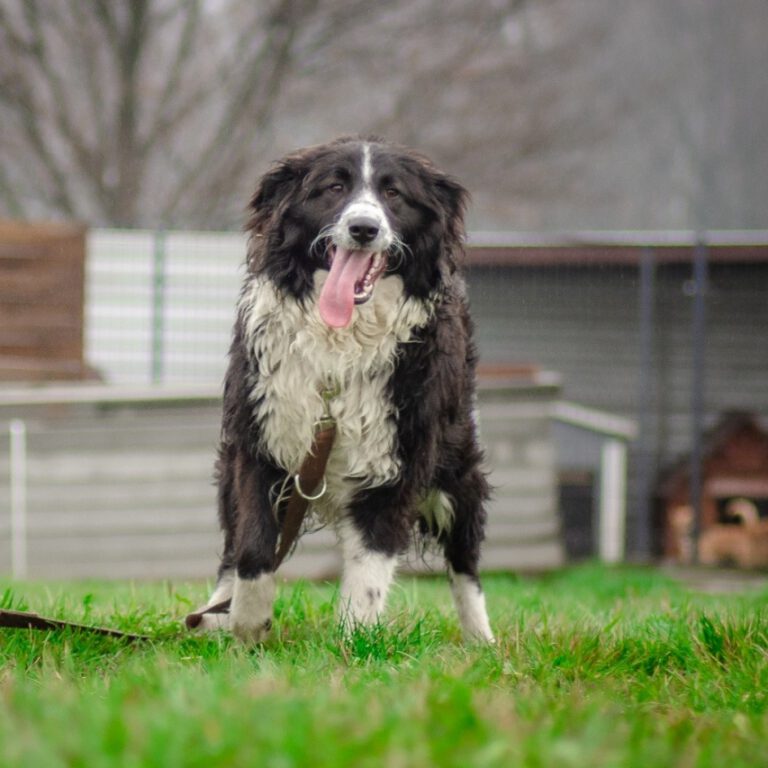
{"x":297,"y":355}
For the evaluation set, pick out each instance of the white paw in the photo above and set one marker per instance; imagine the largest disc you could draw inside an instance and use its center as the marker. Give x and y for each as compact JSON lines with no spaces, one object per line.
{"x":470,"y":605}
{"x":251,"y":633}
{"x":250,"y":617}
{"x":365,"y":580}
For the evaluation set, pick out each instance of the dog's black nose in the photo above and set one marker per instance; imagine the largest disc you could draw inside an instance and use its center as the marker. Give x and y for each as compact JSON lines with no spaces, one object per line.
{"x":362,"y":230}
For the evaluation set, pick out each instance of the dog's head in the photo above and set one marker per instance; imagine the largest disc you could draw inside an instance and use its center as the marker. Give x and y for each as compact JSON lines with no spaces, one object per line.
{"x":359,"y":208}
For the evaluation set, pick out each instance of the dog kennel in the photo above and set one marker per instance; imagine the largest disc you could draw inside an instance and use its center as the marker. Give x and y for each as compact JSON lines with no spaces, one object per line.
{"x":734,"y":489}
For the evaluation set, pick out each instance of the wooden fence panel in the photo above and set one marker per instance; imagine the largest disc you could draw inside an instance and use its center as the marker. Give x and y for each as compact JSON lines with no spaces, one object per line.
{"x":41,"y":302}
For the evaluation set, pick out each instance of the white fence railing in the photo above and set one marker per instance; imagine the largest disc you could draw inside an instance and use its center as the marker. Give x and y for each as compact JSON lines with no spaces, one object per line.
{"x":160,"y":305}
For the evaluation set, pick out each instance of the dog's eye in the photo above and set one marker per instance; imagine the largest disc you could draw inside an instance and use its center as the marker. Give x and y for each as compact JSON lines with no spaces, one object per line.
{"x":391,"y":193}
{"x":335,"y":189}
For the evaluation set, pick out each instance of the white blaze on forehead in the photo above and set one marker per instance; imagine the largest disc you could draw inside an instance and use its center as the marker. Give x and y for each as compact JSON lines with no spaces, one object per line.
{"x":366,"y":202}
{"x":367,"y":167}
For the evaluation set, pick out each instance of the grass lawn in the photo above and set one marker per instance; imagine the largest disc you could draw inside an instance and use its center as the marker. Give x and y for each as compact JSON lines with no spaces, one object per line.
{"x":593,"y":667}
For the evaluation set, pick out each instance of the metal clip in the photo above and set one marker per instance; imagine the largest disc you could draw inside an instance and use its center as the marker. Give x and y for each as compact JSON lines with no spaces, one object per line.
{"x":306,"y":496}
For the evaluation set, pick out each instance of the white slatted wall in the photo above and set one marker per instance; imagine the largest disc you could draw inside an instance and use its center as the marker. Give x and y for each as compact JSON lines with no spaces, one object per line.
{"x":178,"y":304}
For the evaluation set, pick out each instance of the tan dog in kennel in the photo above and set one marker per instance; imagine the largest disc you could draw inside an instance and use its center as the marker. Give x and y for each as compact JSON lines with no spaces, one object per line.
{"x":744,"y":545}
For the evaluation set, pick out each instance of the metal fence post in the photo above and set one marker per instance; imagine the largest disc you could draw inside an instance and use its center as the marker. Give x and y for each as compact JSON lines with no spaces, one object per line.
{"x":646,"y":400}
{"x":698,"y":342}
{"x":158,"y":307}
{"x":18,"y":482}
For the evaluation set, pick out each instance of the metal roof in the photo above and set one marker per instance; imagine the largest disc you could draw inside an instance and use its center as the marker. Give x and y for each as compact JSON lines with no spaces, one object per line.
{"x":613,"y":247}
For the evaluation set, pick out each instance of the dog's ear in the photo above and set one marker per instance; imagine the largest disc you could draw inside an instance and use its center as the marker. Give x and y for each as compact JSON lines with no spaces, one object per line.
{"x":273,"y":187}
{"x":272,"y":193}
{"x":452,"y":200}
{"x":267,"y":208}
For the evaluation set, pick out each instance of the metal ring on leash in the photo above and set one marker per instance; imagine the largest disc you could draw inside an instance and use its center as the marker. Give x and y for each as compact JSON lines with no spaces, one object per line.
{"x":303,"y":495}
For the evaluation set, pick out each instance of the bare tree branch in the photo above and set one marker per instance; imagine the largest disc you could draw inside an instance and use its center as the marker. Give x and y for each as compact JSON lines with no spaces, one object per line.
{"x":171,"y":111}
{"x":106,"y":94}
{"x":252,"y":97}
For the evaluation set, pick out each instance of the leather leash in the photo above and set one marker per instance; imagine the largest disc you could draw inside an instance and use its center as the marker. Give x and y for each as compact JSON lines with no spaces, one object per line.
{"x":305,"y":484}
{"x":305,"y":490}
{"x":24,"y":620}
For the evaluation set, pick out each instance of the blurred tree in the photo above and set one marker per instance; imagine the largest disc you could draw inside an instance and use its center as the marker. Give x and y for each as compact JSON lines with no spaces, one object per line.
{"x":126,"y":112}
{"x":558,"y":115}
{"x":161,"y":112}
{"x":506,"y":94}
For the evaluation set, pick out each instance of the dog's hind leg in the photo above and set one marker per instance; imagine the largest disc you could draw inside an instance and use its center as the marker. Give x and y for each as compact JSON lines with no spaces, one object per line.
{"x":469,"y":599}
{"x":366,"y":578}
{"x":461,"y":544}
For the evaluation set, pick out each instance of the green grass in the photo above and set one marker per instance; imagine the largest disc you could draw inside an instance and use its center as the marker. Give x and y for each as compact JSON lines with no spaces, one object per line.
{"x":593,"y":667}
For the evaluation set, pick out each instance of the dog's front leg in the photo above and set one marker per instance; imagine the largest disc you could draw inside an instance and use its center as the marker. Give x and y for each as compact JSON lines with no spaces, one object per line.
{"x":253,"y":591}
{"x":366,"y":576}
{"x":251,"y":611}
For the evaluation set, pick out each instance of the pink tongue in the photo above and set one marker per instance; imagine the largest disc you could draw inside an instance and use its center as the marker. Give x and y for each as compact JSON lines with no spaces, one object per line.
{"x":337,"y":299}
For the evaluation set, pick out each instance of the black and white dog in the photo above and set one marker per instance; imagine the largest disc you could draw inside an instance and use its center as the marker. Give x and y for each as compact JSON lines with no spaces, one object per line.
{"x":353,"y":281}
